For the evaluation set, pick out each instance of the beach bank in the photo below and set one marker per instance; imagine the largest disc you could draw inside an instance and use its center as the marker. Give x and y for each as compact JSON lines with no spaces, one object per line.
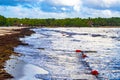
{"x":9,"y":38}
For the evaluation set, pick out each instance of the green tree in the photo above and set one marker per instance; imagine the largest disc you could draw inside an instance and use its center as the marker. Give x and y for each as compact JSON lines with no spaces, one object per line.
{"x":2,"y":20}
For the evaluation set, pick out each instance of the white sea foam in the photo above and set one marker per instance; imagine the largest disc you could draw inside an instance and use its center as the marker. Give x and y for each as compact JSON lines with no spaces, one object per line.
{"x":30,"y":71}
{"x":58,"y":55}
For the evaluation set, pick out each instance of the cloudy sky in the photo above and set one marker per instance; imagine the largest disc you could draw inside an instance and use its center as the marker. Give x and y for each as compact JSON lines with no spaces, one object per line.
{"x":59,"y":8}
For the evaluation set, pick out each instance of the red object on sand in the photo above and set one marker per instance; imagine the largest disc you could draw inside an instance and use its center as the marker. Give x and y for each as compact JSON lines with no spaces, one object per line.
{"x":84,"y":56}
{"x":78,"y":51}
{"x":94,"y":72}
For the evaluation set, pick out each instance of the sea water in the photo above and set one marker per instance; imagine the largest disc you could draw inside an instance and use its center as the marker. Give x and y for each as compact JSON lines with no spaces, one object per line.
{"x":53,"y":49}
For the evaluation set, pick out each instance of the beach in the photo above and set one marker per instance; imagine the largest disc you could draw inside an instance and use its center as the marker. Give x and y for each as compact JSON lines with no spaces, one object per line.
{"x":50,"y":53}
{"x":9,"y":38}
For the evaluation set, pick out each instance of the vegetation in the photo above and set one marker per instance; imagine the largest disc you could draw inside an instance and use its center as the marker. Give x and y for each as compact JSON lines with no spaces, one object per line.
{"x":2,"y":20}
{"x":67,"y":22}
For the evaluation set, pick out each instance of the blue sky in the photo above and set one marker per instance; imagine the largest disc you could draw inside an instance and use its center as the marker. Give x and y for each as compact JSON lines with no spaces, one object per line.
{"x":59,"y":8}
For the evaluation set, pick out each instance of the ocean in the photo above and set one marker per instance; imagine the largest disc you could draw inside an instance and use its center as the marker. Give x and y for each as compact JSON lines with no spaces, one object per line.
{"x":51,"y":54}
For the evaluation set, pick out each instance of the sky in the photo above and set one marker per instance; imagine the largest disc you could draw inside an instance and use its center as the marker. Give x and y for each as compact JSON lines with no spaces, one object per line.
{"x":59,"y":8}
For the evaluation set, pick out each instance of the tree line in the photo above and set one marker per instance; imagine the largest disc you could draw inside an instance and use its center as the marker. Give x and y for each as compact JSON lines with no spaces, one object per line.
{"x":67,"y":22}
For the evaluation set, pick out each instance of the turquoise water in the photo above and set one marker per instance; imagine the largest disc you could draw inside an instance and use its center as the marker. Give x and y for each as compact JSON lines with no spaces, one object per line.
{"x":53,"y":49}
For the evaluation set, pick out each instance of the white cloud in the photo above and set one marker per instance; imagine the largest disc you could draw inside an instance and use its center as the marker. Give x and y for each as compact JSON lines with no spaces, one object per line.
{"x":110,"y":3}
{"x":63,"y":8}
{"x":101,"y":3}
{"x":22,"y":12}
{"x":73,"y":3}
{"x":64,"y":2}
{"x":80,"y":8}
{"x":90,"y":12}
{"x":76,"y":8}
{"x":54,"y":8}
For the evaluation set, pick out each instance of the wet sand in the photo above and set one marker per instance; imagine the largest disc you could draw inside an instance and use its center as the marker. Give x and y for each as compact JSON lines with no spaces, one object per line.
{"x":9,"y":38}
{"x":14,"y":66}
{"x":22,"y":70}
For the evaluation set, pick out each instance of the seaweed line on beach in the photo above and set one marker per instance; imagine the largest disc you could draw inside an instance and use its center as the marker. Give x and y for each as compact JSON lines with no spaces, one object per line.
{"x":7,"y":44}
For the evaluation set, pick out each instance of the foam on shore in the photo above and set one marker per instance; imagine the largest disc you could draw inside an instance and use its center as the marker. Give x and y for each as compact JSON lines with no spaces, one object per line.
{"x":23,"y":71}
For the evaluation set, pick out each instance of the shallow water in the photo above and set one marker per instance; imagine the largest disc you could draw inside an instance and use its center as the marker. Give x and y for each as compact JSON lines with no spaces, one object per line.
{"x":53,"y":49}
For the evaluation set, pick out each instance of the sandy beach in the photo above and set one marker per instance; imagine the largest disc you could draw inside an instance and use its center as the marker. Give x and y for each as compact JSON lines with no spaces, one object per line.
{"x":9,"y":38}
{"x":9,"y":30}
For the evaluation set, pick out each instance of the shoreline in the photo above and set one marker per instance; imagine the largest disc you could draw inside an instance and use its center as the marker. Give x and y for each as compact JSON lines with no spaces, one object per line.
{"x":14,"y":66}
{"x":8,"y":40}
{"x":79,"y":27}
{"x":22,"y":70}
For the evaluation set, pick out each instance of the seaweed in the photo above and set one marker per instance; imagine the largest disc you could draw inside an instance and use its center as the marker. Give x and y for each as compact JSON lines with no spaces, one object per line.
{"x":7,"y":44}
